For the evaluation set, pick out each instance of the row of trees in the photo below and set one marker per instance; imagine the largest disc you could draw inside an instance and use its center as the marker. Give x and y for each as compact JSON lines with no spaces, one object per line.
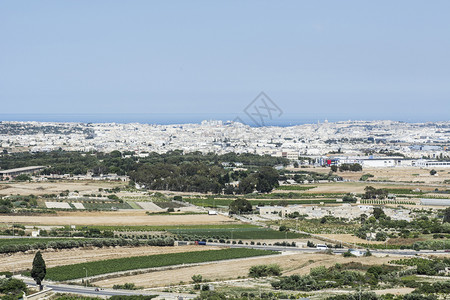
{"x":74,"y":243}
{"x":347,"y":167}
{"x":373,"y":193}
{"x":301,"y":176}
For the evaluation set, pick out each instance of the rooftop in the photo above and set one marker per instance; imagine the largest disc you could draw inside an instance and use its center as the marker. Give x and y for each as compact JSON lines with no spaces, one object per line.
{"x":24,"y":169}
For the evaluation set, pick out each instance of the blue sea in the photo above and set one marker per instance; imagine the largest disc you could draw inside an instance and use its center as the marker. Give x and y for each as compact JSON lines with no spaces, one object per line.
{"x":173,"y":118}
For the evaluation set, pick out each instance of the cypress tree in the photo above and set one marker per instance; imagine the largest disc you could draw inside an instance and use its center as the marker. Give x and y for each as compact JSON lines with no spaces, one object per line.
{"x":39,"y":269}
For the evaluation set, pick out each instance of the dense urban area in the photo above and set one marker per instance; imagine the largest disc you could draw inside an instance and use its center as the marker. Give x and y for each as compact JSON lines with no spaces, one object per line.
{"x":221,"y":210}
{"x":412,"y":140}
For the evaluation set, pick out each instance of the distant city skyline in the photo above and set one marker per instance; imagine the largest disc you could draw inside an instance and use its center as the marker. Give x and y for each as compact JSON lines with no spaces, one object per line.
{"x":316,"y":60}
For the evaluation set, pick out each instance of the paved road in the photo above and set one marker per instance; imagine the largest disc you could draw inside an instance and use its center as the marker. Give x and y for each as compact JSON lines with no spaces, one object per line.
{"x":336,"y":251}
{"x":74,"y":289}
{"x":62,"y":288}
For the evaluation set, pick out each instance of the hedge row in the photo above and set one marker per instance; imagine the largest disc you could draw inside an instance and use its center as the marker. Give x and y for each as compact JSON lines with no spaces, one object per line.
{"x":73,"y":243}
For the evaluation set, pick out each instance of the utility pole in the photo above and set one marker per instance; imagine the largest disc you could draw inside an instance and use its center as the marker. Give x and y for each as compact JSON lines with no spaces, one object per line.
{"x":85,"y":280}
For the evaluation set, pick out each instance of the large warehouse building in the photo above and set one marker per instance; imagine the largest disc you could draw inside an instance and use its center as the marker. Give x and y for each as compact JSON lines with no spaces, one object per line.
{"x":19,"y":171}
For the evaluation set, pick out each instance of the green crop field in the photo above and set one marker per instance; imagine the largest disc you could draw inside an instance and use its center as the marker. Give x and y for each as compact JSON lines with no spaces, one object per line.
{"x":236,"y":233}
{"x":77,"y":271}
{"x":107,"y":206}
{"x":134,"y":205}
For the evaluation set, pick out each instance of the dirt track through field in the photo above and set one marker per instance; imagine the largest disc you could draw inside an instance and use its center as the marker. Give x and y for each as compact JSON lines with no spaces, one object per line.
{"x":116,"y":218}
{"x":22,"y":261}
{"x":291,"y":264}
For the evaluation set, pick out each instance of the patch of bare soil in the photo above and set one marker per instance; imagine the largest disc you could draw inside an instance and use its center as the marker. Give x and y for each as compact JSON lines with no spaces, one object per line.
{"x":115,"y":218}
{"x":394,"y":291}
{"x":22,"y":261}
{"x":40,"y":188}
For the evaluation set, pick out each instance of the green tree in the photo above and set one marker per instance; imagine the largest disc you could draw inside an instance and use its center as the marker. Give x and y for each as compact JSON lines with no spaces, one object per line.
{"x":23,"y":177}
{"x":447,"y":215}
{"x":350,"y":167}
{"x":264,"y":270}
{"x":240,"y":206}
{"x":267,"y":179}
{"x":381,"y":236}
{"x":39,"y":269}
{"x":355,"y":167}
{"x":247,"y":185}
{"x":373,"y":193}
{"x":433,"y":172}
{"x":12,"y":288}
{"x":378,"y":213}
{"x":115,"y":154}
{"x":334,"y":168}
{"x":349,"y":198}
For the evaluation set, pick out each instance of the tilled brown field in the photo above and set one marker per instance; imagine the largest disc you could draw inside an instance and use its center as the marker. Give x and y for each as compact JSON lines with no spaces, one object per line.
{"x":297,"y":263}
{"x":115,"y":218}
{"x":22,"y":261}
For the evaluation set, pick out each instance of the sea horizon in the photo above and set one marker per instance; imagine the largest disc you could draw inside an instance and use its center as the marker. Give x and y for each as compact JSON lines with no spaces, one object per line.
{"x":196,"y":118}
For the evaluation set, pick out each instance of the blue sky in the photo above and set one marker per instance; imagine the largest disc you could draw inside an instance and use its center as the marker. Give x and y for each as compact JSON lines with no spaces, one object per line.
{"x":352,"y":59}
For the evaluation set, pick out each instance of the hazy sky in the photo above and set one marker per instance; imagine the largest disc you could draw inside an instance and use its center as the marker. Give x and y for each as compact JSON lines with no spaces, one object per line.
{"x":349,"y":58}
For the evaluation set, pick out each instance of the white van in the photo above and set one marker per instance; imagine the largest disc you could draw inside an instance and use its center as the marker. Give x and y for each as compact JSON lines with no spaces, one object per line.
{"x":321,"y":247}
